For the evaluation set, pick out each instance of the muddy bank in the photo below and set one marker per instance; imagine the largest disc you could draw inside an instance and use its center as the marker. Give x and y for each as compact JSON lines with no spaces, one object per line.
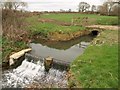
{"x":60,"y":36}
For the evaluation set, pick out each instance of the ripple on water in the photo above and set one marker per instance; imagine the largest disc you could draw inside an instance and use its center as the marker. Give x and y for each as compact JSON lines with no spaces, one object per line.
{"x":28,"y":73}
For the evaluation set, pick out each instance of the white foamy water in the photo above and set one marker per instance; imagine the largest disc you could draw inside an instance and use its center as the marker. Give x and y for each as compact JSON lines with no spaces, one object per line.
{"x":28,"y":72}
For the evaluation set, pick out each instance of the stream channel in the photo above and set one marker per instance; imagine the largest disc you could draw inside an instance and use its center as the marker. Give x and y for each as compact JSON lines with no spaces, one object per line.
{"x":32,"y":70}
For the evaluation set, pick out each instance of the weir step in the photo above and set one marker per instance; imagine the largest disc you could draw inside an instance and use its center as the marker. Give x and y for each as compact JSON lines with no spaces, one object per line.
{"x":56,"y":64}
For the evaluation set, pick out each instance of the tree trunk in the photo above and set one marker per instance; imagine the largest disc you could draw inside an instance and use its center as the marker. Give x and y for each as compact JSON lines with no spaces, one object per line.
{"x":109,"y":10}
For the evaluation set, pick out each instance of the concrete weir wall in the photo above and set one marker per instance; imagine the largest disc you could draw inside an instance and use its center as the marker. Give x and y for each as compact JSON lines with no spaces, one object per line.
{"x":17,"y":58}
{"x":49,"y":62}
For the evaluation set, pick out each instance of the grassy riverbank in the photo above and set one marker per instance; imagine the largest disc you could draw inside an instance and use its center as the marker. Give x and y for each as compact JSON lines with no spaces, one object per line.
{"x":14,"y":36}
{"x":9,"y":47}
{"x":98,"y":66}
{"x":49,"y":25}
{"x":51,"y":30}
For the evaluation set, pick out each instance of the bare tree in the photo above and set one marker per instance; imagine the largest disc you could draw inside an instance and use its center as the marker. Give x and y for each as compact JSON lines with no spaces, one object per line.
{"x":116,"y":9}
{"x":83,"y":6}
{"x":111,"y":4}
{"x":18,"y":4}
{"x":93,"y":8}
{"x":102,"y":9}
{"x":108,"y":7}
{"x":7,"y":5}
{"x":99,"y":8}
{"x":13,"y":4}
{"x":69,"y":10}
{"x":105,"y":8}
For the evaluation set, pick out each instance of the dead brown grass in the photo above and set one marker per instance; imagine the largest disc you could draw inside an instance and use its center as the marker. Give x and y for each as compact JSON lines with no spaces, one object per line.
{"x":12,"y":22}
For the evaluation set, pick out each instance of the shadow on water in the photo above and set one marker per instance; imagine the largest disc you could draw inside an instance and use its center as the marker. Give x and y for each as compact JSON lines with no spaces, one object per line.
{"x":63,"y":45}
{"x":65,"y":51}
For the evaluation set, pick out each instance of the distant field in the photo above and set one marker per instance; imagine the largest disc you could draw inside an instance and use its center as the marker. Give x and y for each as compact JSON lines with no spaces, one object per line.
{"x":103,"y":20}
{"x":44,"y":28}
{"x":51,"y":22}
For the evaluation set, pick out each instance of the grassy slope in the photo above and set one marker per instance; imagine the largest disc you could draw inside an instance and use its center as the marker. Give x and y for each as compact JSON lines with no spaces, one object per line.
{"x":9,"y":46}
{"x":45,"y":28}
{"x":98,"y":66}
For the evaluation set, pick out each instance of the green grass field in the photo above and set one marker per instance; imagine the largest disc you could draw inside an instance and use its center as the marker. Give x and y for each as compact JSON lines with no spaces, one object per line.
{"x":45,"y":28}
{"x":97,"y":67}
{"x":102,"y":20}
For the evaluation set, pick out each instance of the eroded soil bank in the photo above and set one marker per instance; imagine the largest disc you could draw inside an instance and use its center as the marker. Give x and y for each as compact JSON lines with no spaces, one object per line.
{"x":59,"y":36}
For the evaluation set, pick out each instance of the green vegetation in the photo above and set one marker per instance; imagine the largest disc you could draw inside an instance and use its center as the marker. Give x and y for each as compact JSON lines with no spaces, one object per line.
{"x":9,"y":46}
{"x":46,"y":27}
{"x":98,"y":65}
{"x":14,"y":36}
{"x":99,"y":19}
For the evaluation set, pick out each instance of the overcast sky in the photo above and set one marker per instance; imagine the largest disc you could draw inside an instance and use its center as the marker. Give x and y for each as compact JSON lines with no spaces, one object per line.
{"x":56,"y":5}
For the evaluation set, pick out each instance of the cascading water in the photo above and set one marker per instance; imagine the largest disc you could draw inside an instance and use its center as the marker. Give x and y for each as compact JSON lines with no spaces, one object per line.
{"x":29,"y":72}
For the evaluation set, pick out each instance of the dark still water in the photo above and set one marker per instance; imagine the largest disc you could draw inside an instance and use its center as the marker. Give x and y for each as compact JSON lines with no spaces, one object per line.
{"x":64,"y":51}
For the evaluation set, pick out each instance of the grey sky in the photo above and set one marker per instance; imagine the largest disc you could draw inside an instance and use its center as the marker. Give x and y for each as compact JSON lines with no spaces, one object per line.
{"x":56,"y":5}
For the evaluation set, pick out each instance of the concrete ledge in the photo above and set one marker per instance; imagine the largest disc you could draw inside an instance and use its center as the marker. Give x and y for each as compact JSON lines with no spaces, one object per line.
{"x":56,"y":64}
{"x":17,"y":55}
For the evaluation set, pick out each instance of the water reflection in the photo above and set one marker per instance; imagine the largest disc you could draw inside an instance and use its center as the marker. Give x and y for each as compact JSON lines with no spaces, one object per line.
{"x":65,"y":51}
{"x":63,"y":45}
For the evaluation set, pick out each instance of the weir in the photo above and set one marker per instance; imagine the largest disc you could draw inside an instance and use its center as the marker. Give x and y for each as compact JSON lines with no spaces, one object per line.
{"x":32,"y":70}
{"x":37,"y":67}
{"x":56,"y":63}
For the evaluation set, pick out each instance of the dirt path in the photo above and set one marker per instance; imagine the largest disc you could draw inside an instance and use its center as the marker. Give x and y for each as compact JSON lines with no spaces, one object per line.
{"x":106,"y":27}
